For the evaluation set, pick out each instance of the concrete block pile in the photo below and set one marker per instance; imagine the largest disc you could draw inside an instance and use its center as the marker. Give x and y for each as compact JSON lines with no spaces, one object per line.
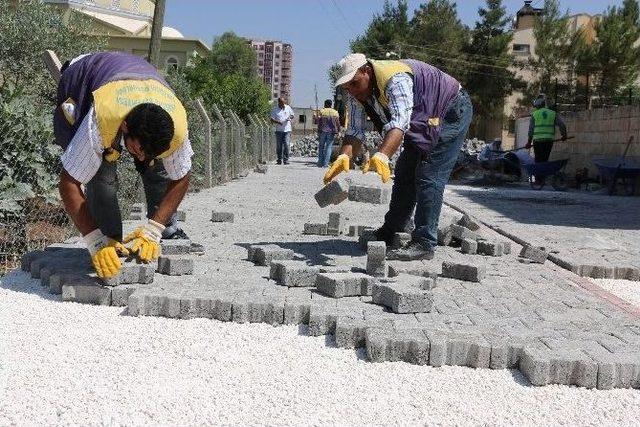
{"x":334,"y":227}
{"x":65,"y":269}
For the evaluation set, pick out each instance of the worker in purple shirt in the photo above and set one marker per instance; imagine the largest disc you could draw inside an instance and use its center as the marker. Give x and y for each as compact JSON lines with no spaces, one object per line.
{"x":416,"y":106}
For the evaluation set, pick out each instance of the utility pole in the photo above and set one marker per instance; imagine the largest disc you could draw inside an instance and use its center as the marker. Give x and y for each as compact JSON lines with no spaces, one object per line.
{"x":156,"y":33}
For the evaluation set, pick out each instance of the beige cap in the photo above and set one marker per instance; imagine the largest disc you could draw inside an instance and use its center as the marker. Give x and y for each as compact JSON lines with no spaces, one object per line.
{"x":348,"y":67}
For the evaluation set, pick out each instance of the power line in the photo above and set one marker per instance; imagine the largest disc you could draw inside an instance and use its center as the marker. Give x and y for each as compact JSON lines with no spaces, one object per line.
{"x":344,"y":18}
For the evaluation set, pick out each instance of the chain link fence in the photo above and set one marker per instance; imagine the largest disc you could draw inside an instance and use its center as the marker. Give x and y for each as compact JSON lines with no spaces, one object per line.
{"x":32,"y":215}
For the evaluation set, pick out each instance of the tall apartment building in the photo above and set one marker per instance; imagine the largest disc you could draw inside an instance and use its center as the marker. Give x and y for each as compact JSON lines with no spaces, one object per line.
{"x":274,"y":66}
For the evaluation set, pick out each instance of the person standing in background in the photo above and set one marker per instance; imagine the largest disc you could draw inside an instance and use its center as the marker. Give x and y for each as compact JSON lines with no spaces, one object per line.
{"x":328,"y":127}
{"x":281,"y":115}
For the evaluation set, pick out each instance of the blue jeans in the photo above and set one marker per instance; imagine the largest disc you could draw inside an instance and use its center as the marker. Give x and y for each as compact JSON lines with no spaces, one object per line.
{"x":282,"y":146}
{"x":102,"y":197}
{"x":420,"y":178}
{"x":325,"y":147}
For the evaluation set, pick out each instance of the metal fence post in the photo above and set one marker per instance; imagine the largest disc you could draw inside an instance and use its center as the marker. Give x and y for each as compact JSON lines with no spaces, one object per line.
{"x":208,"y":169}
{"x":223,"y":142}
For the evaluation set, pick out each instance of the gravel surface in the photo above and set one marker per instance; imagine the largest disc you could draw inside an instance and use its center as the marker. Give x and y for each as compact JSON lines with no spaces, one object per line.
{"x":624,"y":289}
{"x":71,"y":364}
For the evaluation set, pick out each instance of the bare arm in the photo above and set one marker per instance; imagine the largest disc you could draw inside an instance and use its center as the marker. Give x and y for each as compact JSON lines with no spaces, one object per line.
{"x":391,"y":143}
{"x":171,"y":200}
{"x":75,"y":203}
{"x":350,"y":146}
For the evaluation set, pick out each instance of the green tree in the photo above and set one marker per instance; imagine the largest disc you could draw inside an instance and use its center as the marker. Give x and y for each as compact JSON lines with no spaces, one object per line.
{"x":555,"y":47}
{"x":386,"y":33}
{"x":231,"y":54}
{"x":489,"y":80}
{"x":228,"y":78}
{"x":614,"y":52}
{"x":438,"y":37}
{"x":27,"y":28}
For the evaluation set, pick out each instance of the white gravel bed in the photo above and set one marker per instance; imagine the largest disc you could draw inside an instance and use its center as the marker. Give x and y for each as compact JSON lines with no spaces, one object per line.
{"x":623,"y":289}
{"x":71,"y":364}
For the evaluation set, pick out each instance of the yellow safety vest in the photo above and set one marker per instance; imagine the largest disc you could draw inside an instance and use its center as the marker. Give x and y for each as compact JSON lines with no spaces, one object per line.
{"x":114,"y":100}
{"x":384,"y":70}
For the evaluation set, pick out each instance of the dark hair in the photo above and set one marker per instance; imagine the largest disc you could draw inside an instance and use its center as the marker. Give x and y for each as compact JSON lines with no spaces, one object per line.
{"x":152,"y":126}
{"x":327,"y":103}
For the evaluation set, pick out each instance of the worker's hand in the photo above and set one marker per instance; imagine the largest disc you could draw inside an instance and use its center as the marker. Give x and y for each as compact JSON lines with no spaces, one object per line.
{"x":379,"y":163}
{"x":564,"y":138}
{"x":104,"y":253}
{"x":146,"y":241}
{"x":528,"y":146}
{"x":340,"y":165}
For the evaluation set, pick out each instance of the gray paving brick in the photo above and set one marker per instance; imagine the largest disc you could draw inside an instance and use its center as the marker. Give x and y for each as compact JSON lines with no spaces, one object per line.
{"x":376,"y":259}
{"x":534,"y":254}
{"x":469,"y":247}
{"x":596,"y":271}
{"x":27,"y":258}
{"x":489,"y":248}
{"x":340,"y":285}
{"x":335,"y":225}
{"x":316,"y":229}
{"x":470,"y":223}
{"x":120,"y":294}
{"x":466,"y":272}
{"x":293,"y":273}
{"x":222,"y":216}
{"x":264,"y":254}
{"x":175,"y":247}
{"x":350,"y":333}
{"x":570,"y":367}
{"x":367,"y":235}
{"x":175,"y":265}
{"x":260,"y":168}
{"x":333,"y":193}
{"x":402,"y":298}
{"x":460,"y":233}
{"x":369,"y":194}
{"x":445,"y":235}
{"x":357,"y":230}
{"x":408,"y":345}
{"x":400,"y":240}
{"x":86,"y":290}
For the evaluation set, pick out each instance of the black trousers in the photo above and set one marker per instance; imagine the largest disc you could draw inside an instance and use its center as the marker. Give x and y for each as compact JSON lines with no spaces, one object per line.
{"x":542,"y":150}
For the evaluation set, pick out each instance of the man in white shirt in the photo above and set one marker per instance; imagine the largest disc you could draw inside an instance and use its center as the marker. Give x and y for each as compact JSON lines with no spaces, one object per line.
{"x":108,"y":102}
{"x":281,"y":116}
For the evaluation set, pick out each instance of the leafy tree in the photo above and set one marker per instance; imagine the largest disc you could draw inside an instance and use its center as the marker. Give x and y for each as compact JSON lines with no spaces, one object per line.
{"x":489,"y":80}
{"x":27,"y":28}
{"x":231,"y":54}
{"x":228,"y":78}
{"x":386,"y":32}
{"x":614,"y":52}
{"x":554,"y":48}
{"x":438,"y":37}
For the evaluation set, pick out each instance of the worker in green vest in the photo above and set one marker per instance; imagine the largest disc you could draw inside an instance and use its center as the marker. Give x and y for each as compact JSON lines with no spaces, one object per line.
{"x":542,"y":129}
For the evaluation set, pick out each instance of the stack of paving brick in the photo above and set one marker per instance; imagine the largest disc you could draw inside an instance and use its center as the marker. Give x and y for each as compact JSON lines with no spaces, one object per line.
{"x":66,"y":269}
{"x":334,"y":227}
{"x":465,"y":234}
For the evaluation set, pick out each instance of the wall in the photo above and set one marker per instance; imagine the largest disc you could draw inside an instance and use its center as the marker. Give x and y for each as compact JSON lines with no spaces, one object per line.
{"x":598,"y":133}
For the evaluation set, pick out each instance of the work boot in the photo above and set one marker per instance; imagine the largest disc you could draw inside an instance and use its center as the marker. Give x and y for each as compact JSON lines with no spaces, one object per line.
{"x":412,"y":252}
{"x":384,"y":235}
{"x":178,"y":234}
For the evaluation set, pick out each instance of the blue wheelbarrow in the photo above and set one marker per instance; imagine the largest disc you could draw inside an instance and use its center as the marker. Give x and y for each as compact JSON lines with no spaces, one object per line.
{"x":612,"y":171}
{"x":538,"y":173}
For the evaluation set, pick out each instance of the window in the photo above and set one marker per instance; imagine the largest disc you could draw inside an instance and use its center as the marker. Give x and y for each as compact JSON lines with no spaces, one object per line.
{"x":302,"y":118}
{"x":521,"y":49}
{"x":276,"y":79}
{"x":171,"y":63}
{"x":275,"y":94}
{"x":261,"y":47}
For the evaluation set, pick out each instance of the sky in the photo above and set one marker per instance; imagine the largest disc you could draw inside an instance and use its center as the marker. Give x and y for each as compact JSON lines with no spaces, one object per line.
{"x":318,"y":30}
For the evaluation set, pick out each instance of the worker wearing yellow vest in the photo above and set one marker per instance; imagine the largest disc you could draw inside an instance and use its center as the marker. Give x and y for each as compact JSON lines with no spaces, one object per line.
{"x":328,"y":127}
{"x":542,"y":129}
{"x":416,"y":108}
{"x":109,"y":102}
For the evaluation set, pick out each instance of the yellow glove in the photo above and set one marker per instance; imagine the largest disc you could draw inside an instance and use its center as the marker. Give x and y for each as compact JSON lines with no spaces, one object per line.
{"x":379,"y":163}
{"x":340,"y":165}
{"x":146,"y":240}
{"x":104,"y":253}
